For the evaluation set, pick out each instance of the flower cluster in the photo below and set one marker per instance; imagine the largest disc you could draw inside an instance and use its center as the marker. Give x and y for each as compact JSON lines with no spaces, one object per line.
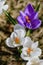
{"x":30,"y":50}
{"x":27,"y":19}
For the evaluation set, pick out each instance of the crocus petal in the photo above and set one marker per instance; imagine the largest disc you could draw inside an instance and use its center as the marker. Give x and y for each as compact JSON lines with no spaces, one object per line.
{"x":13,"y":35}
{"x":34,"y":59}
{"x":22,"y":14}
{"x":1,"y":11}
{"x":41,"y":62}
{"x":9,"y":43}
{"x":28,"y":25}
{"x":27,"y":42}
{"x":20,"y":21}
{"x":19,"y":30}
{"x":29,"y":9}
{"x":34,"y":16}
{"x":35,"y":24}
{"x":24,"y":51}
{"x":36,"y":52}
{"x":16,"y":45}
{"x":25,"y":57}
{"x":28,"y":63}
{"x":2,"y":2}
{"x":5,"y":7}
{"x":34,"y":45}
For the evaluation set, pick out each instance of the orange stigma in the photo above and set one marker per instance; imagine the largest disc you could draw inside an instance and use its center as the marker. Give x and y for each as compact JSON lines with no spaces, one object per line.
{"x":27,"y":19}
{"x":29,"y":50}
{"x":17,"y":40}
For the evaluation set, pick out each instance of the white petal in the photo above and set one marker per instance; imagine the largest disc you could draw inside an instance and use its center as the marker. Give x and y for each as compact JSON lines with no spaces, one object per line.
{"x":18,"y":26}
{"x":19,"y":30}
{"x":34,"y":59}
{"x":34,"y":45}
{"x":36,"y":52}
{"x":28,"y":63}
{"x":13,"y":35}
{"x":41,"y":62}
{"x":16,"y":45}
{"x":2,"y":2}
{"x":25,"y":57}
{"x":27,"y":42}
{"x":1,"y":11}
{"x":9,"y":43}
{"x":24,"y":51}
{"x":5,"y":7}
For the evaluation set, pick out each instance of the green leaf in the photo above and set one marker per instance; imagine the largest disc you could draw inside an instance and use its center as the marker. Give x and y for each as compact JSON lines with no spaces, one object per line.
{"x":10,"y":18}
{"x":37,"y":7}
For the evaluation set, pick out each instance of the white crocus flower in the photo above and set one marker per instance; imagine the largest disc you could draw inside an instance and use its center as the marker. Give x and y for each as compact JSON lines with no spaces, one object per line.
{"x":30,"y":49}
{"x":16,"y":37}
{"x":35,"y":61}
{"x":2,"y":6}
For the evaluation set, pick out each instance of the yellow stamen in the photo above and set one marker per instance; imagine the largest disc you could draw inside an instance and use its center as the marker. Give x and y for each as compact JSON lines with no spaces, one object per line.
{"x":29,"y":50}
{"x":17,"y":40}
{"x":27,"y":18}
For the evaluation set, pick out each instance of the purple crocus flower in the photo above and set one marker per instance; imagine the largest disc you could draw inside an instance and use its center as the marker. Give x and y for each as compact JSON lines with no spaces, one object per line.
{"x":29,"y":18}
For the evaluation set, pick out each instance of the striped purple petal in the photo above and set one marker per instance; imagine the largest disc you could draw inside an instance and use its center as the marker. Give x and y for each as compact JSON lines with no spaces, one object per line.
{"x":28,"y":25}
{"x":20,"y":21}
{"x":29,"y":10}
{"x":34,"y":16}
{"x":35,"y":23}
{"x":22,"y":16}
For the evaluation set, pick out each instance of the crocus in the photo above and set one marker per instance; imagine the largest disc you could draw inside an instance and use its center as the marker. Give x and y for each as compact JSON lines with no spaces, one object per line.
{"x":30,"y":49}
{"x":29,"y":18}
{"x":16,"y":37}
{"x":2,"y":6}
{"x":35,"y":61}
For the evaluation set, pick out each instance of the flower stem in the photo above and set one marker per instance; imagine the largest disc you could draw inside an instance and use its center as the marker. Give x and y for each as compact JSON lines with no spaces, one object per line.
{"x":28,"y":33}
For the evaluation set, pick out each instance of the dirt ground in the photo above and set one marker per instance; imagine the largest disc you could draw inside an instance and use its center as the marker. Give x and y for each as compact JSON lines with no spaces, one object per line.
{"x":6,"y":28}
